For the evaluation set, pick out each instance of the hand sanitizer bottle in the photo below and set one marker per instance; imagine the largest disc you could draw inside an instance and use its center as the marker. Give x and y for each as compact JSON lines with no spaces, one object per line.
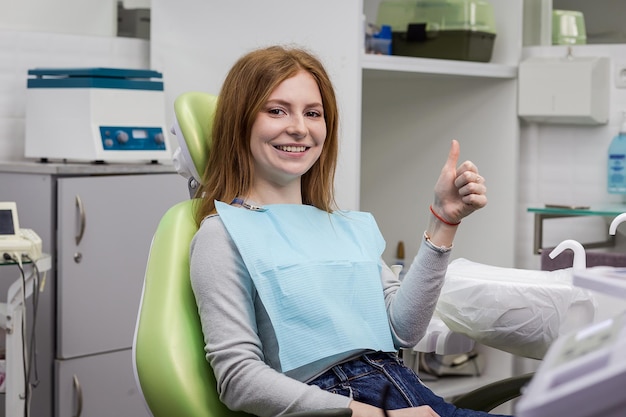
{"x":617,"y":161}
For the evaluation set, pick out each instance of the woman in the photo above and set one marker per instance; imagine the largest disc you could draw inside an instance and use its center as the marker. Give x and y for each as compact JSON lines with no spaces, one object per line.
{"x":298,"y":309}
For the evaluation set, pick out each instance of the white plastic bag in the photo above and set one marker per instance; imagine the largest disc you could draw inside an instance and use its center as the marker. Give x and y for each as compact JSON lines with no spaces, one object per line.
{"x":515,"y":310}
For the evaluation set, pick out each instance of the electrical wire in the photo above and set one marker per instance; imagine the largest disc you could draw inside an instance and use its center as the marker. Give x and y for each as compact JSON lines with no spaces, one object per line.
{"x":33,"y":337}
{"x":18,"y":262}
{"x":30,"y":354}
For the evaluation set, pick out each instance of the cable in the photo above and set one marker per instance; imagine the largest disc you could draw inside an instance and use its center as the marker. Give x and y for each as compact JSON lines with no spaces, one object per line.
{"x":31,"y":361}
{"x":27,"y":358}
{"x":31,"y":351}
{"x":18,"y":262}
{"x":33,"y":337}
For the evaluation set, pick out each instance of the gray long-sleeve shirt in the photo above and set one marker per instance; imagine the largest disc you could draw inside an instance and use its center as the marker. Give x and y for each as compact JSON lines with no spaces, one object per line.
{"x":240,"y":342}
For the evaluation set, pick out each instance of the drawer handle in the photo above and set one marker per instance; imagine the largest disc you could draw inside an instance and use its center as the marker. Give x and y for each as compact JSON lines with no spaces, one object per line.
{"x":81,"y":219}
{"x":79,"y":396}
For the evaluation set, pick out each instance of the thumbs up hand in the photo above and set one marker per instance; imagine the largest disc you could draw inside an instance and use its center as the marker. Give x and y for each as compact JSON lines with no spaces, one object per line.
{"x":460,"y":190}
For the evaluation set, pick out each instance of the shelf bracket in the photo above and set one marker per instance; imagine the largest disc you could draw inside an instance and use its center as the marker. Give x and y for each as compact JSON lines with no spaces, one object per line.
{"x":538,"y":233}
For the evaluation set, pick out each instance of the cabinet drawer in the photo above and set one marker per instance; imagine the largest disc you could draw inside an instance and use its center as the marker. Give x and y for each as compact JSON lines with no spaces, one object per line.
{"x":98,"y":386}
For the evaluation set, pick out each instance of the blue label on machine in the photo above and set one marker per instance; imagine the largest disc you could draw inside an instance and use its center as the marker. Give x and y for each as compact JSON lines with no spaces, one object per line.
{"x":125,"y":138}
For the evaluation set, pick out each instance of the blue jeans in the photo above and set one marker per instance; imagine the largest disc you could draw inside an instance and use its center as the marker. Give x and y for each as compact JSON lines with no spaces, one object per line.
{"x":368,"y":377}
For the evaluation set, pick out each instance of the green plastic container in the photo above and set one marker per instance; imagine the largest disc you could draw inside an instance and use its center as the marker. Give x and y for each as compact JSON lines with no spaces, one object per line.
{"x":568,"y":28}
{"x":445,"y":29}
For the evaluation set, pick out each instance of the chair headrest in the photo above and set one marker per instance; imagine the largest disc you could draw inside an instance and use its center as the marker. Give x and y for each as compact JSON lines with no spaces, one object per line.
{"x":194,"y":112}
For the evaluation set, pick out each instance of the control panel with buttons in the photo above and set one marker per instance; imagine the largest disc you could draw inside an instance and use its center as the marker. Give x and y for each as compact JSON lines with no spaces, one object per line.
{"x":126,"y":138}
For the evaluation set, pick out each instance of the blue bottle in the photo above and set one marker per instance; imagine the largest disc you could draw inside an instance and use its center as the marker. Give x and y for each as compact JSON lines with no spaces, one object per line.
{"x":617,"y":161}
{"x":381,"y":41}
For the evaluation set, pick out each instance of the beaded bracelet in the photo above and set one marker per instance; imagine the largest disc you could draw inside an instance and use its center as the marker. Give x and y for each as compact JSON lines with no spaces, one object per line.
{"x":441,"y":219}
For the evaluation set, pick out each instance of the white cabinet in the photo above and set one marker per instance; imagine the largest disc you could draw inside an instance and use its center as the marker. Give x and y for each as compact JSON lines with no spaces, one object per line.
{"x":97,"y":222}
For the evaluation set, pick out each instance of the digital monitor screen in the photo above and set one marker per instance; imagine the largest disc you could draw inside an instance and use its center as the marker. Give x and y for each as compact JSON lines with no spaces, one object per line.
{"x":139,"y":134}
{"x":6,"y":222}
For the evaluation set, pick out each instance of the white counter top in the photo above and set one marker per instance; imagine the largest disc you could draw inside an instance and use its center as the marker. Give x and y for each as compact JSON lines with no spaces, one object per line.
{"x":75,"y":168}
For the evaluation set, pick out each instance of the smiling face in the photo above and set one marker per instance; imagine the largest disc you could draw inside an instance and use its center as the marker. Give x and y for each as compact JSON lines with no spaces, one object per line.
{"x":288,"y":134}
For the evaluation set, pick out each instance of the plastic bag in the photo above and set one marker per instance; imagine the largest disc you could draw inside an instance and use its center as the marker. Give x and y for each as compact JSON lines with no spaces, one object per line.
{"x":515,"y":310}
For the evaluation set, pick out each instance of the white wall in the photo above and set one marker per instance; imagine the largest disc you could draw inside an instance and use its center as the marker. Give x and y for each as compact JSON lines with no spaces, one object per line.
{"x":23,"y":50}
{"x":85,"y":17}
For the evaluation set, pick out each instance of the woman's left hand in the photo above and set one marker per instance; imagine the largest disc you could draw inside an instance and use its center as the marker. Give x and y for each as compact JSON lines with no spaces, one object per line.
{"x":460,"y":190}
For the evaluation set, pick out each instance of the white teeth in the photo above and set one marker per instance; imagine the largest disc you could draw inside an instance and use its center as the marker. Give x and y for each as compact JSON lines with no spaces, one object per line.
{"x":292,"y":148}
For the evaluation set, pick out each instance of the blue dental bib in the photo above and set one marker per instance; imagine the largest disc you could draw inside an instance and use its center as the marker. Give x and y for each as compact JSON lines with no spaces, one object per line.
{"x":318,"y":276}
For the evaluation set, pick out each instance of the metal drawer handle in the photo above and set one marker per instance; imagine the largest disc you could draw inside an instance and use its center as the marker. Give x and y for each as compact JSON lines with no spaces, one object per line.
{"x":81,"y":219}
{"x":79,"y":396}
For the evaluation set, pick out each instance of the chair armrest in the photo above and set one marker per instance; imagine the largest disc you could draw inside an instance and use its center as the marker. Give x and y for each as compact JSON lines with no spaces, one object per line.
{"x":492,"y":395}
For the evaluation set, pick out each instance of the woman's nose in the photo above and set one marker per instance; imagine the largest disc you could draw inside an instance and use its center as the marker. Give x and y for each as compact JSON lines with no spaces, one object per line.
{"x":297,"y":127}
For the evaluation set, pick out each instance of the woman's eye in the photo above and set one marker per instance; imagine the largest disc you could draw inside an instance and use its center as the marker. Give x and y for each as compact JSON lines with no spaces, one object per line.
{"x":276,"y":111}
{"x":313,"y":114}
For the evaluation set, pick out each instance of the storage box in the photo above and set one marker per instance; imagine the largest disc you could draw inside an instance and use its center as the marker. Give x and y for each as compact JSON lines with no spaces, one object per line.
{"x":445,"y":29}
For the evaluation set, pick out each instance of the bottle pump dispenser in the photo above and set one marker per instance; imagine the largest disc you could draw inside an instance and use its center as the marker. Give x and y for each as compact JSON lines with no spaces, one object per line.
{"x":617,"y":161}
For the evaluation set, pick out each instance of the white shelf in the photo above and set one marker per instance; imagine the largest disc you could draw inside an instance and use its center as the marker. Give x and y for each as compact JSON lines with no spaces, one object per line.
{"x":437,"y":66}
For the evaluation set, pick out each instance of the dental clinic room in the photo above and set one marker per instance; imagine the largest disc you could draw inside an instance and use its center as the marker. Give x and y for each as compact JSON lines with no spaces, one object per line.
{"x":483,"y":141}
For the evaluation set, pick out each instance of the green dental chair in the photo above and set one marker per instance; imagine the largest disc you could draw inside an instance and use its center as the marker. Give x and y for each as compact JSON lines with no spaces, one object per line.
{"x":169,"y":361}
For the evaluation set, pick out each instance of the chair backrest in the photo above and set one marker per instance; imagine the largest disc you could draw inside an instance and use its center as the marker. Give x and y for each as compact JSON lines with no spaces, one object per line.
{"x":194,"y":113}
{"x":169,"y":361}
